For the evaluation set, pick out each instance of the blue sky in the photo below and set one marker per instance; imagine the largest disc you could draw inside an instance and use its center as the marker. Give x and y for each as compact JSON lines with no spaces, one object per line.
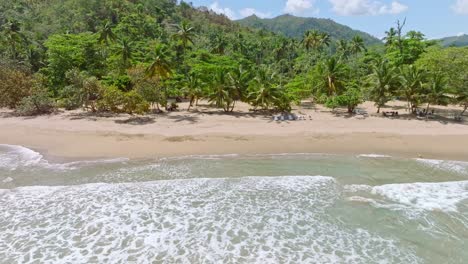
{"x":435,"y":18}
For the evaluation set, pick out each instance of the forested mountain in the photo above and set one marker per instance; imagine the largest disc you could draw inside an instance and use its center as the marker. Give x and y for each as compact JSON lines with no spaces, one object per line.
{"x":295,"y":27}
{"x":135,"y":56}
{"x":457,"y":41}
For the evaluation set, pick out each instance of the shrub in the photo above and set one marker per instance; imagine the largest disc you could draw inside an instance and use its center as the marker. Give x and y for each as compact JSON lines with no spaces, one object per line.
{"x":150,"y":88}
{"x":111,"y":100}
{"x":117,"y":101}
{"x":15,"y":85}
{"x":134,"y":103}
{"x":351,"y":98}
{"x":37,"y":103}
{"x":83,"y":91}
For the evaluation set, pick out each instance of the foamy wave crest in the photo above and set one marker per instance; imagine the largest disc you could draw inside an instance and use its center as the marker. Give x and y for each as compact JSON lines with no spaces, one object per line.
{"x":247,"y":220}
{"x":448,"y":165}
{"x":13,"y":157}
{"x":441,"y":196}
{"x":437,"y":196}
{"x":373,"y":156}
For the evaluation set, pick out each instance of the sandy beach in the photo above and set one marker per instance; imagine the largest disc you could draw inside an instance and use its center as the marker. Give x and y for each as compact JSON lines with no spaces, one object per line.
{"x":204,"y":130}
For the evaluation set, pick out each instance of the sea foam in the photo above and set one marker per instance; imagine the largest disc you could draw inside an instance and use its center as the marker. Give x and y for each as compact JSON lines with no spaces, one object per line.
{"x":13,"y":157}
{"x":448,"y":165}
{"x":250,"y":220}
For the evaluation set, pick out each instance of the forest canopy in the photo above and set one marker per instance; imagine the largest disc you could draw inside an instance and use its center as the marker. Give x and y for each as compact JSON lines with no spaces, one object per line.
{"x":135,"y":56}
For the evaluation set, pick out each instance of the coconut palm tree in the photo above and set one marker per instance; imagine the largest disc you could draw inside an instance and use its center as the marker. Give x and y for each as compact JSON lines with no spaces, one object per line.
{"x":325,"y":40}
{"x":192,"y":88}
{"x":125,"y":51}
{"x":265,"y":89}
{"x":357,"y":45}
{"x":383,"y":83}
{"x":240,"y":79}
{"x":185,"y":34}
{"x":219,"y":44}
{"x":13,"y":37}
{"x":161,"y":65}
{"x":332,"y":74}
{"x":342,"y":47}
{"x":436,"y":91}
{"x":390,"y":37}
{"x":411,"y":82}
{"x":221,"y":91}
{"x":106,"y":35}
{"x":312,"y":40}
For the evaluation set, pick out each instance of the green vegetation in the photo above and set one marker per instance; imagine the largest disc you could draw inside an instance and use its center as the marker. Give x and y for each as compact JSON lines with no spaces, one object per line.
{"x":296,"y":27}
{"x":136,"y":56}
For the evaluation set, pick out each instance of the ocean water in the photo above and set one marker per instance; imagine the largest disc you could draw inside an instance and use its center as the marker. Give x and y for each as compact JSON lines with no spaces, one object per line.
{"x":288,"y":208}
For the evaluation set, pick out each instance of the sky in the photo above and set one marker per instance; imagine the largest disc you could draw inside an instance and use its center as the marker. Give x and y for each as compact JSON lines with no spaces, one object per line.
{"x":434,"y":18}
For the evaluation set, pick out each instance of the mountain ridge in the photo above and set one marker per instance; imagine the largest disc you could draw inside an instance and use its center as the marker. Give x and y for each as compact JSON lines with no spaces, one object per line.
{"x":457,"y":41}
{"x":294,"y":26}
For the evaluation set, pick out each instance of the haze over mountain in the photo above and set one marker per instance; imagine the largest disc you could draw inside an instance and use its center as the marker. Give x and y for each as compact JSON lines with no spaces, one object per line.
{"x":295,"y":27}
{"x":456,"y":41}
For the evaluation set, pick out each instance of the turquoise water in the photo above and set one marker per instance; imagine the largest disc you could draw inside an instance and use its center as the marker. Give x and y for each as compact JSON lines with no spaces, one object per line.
{"x":290,"y":208}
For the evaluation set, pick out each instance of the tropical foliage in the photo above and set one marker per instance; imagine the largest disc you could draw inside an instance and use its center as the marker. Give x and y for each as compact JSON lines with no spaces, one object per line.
{"x":133,"y":56}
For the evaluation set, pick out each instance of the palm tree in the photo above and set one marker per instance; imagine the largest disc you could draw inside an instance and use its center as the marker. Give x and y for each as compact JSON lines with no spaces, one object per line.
{"x":125,"y":51}
{"x":436,"y":91}
{"x":161,"y":65}
{"x":411,"y":82}
{"x":265,"y":90}
{"x":106,"y":35}
{"x":219,"y":44}
{"x":342,"y":46}
{"x":13,"y":36}
{"x":221,"y":91}
{"x":239,"y":79}
{"x":357,"y":45}
{"x":192,"y":89}
{"x":185,"y":34}
{"x":332,"y":74}
{"x":325,"y":40}
{"x":390,"y":37}
{"x":383,"y":82}
{"x":312,"y":39}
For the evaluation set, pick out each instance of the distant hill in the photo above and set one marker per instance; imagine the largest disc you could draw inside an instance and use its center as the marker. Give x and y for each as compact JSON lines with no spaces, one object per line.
{"x":293,"y":26}
{"x":458,"y":41}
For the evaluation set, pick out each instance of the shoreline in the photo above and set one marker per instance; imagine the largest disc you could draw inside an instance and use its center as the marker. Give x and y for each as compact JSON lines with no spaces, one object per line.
{"x":73,"y":146}
{"x":77,"y":135}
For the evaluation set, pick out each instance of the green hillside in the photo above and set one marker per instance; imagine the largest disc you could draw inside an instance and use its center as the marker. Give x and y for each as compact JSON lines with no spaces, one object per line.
{"x":457,"y":41}
{"x":293,"y":26}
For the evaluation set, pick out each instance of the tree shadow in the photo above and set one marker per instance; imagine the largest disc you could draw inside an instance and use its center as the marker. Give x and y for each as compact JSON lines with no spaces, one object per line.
{"x":92,"y":116}
{"x":183,"y":118}
{"x":137,"y":121}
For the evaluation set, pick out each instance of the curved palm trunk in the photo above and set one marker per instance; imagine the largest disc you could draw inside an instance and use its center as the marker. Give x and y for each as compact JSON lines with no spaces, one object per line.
{"x":464,"y":110}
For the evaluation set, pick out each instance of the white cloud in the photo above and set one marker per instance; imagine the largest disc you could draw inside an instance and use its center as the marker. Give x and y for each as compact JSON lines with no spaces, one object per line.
{"x":366,"y":7}
{"x":460,"y":34}
{"x":231,"y":14}
{"x":215,"y":7}
{"x":251,"y":11}
{"x":461,"y":7}
{"x":299,"y":6}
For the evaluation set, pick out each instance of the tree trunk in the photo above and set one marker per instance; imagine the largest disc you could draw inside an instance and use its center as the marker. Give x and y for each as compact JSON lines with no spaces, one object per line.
{"x":427,"y":108}
{"x":233,"y":105}
{"x":378,"y":109}
{"x":191,"y":102}
{"x":464,"y":110}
